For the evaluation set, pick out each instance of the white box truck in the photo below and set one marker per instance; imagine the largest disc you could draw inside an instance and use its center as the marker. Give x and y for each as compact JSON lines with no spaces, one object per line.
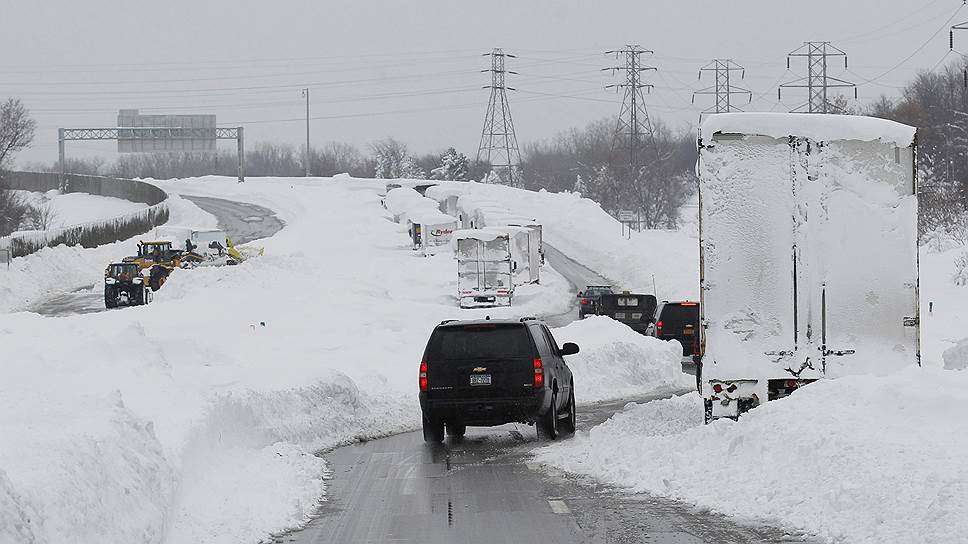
{"x":808,"y":253}
{"x":485,"y":268}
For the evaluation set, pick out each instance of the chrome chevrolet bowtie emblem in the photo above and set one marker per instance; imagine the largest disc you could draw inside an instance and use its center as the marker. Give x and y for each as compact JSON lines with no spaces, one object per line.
{"x":480,"y":369}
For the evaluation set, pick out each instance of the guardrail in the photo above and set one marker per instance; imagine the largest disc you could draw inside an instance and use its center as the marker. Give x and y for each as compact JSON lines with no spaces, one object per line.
{"x":94,"y":233}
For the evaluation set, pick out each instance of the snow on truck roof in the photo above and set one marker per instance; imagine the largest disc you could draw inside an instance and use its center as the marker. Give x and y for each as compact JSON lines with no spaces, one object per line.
{"x":429,"y":216}
{"x":824,"y":127}
{"x":488,"y":233}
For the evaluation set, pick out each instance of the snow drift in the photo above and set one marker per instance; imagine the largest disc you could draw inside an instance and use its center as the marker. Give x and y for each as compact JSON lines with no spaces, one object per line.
{"x":855,"y":459}
{"x":616,"y":362}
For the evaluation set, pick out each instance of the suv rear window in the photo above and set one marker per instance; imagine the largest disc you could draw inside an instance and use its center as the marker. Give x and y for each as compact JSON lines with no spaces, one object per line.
{"x":675,"y":317}
{"x":480,"y":342}
{"x":597,"y":291}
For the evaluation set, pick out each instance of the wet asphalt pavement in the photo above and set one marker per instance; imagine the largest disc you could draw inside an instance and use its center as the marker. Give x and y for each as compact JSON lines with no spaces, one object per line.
{"x":242,"y":223}
{"x":578,"y":275}
{"x":484,"y":489}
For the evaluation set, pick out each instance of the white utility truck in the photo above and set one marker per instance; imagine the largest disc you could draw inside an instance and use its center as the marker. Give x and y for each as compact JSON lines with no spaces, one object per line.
{"x":808,"y":253}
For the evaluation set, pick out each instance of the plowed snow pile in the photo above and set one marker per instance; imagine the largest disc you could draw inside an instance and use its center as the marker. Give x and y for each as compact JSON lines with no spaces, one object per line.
{"x":195,"y":419}
{"x":616,"y":362}
{"x":857,"y":459}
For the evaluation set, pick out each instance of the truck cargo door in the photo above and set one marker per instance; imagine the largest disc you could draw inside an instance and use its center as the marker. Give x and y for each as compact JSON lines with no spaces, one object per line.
{"x":866,"y":233}
{"x":748,"y":243}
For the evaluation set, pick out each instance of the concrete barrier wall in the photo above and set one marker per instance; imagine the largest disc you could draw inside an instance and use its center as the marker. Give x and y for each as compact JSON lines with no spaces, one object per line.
{"x":95,"y":233}
{"x":128,"y":189}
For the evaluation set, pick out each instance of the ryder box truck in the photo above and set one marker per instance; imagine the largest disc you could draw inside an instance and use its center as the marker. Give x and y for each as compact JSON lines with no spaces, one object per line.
{"x":808,"y":253}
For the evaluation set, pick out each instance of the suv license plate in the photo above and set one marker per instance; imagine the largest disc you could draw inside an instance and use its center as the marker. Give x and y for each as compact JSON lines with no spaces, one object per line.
{"x":480,"y":379}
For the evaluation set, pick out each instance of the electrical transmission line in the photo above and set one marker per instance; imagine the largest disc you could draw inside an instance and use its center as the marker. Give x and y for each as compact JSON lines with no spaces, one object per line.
{"x":498,"y":140}
{"x":817,"y":82}
{"x":633,"y":119}
{"x":723,"y":89}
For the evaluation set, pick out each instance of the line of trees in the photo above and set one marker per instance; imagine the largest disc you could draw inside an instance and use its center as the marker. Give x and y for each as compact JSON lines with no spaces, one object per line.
{"x":937,"y":103}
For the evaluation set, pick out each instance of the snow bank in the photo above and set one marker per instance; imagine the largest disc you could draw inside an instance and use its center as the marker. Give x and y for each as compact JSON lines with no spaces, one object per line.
{"x":857,"y":459}
{"x":822,"y":127}
{"x":616,"y":362}
{"x":195,"y":419}
{"x":956,"y":357}
{"x":944,"y":307}
{"x":77,"y":208}
{"x":579,"y":228}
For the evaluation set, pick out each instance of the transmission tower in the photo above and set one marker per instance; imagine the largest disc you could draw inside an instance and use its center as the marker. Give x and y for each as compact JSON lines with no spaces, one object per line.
{"x":498,"y":140}
{"x":633,"y":119}
{"x":817,"y":81}
{"x":723,"y":89}
{"x":951,"y":34}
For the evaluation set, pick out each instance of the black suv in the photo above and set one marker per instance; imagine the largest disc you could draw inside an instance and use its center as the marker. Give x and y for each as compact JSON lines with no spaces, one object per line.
{"x":679,"y":320}
{"x":588,"y":305}
{"x":495,"y":371}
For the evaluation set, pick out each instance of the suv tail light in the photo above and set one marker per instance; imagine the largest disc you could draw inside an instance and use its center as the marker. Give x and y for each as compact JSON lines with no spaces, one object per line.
{"x":658,"y":328}
{"x":423,"y":375}
{"x":584,"y":302}
{"x":538,"y":374}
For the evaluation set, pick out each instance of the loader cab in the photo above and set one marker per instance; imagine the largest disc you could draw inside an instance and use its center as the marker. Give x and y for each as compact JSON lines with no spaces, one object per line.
{"x":155,"y":251}
{"x":122,"y":272}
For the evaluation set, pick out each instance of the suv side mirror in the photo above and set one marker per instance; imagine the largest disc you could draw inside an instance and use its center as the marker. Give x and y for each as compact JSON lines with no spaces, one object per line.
{"x":580,"y":294}
{"x":569,"y":348}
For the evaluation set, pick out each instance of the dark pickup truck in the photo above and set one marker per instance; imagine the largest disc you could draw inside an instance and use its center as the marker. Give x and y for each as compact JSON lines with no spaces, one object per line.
{"x":495,"y":371}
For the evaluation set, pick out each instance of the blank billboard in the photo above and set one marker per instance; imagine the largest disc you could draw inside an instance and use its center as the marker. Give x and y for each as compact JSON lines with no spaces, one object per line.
{"x":176,"y":133}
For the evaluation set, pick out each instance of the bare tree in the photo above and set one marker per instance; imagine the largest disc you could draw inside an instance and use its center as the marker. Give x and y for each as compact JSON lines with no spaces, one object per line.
{"x":12,"y":210}
{"x":16,"y":130}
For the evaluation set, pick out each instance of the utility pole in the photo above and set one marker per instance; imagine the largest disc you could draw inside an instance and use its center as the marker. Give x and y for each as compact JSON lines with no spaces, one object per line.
{"x":723,"y":89}
{"x":633,"y":119}
{"x":817,"y":81}
{"x":305,"y":93}
{"x":498,"y":140}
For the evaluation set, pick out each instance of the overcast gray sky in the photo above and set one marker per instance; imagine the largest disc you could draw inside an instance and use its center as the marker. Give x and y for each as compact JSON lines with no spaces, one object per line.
{"x":412,"y":69}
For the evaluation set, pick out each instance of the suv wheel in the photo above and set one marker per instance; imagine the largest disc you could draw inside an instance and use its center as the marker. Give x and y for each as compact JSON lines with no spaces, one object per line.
{"x":569,"y":425}
{"x":550,"y":422}
{"x":456,"y":430}
{"x":433,"y":430}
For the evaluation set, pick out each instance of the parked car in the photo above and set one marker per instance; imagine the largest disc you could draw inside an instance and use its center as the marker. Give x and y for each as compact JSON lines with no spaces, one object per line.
{"x":679,"y":320}
{"x":636,"y":311}
{"x":588,"y":299}
{"x":495,"y":371}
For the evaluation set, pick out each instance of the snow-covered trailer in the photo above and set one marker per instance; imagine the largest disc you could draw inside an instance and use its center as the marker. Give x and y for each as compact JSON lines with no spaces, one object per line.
{"x":526,"y":222}
{"x":526,"y":262}
{"x":447,"y":194}
{"x":485,"y":268}
{"x":431,"y":231}
{"x":808,"y":253}
{"x":472,"y":210}
{"x":403,"y":200}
